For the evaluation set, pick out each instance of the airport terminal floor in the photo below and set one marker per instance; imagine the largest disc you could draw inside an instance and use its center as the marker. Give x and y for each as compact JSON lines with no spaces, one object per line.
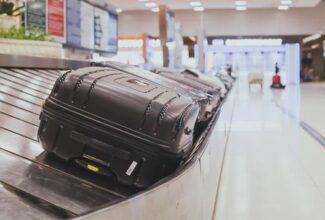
{"x":273,"y":166}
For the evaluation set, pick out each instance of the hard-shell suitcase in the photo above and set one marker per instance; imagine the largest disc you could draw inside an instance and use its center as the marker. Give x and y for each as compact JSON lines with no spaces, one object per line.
{"x":198,"y":84}
{"x":115,"y":123}
{"x":213,"y":80}
{"x":227,"y":80}
{"x":204,"y":100}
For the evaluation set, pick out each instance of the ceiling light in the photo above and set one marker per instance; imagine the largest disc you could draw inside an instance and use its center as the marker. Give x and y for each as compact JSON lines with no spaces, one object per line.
{"x":150,"y":4}
{"x":218,"y":42}
{"x":143,"y":0}
{"x":119,"y":10}
{"x":155,"y":9}
{"x":312,"y":38}
{"x":241,"y":8}
{"x":195,"y":4}
{"x":241,"y":3}
{"x":286,"y":2}
{"x":283,"y":7}
{"x":315,"y":46}
{"x":192,"y":38}
{"x":198,"y":9}
{"x":254,"y":42}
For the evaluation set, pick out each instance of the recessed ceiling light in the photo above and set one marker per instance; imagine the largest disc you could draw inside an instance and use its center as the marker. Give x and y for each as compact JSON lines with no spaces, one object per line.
{"x":254,"y":42}
{"x":195,"y":4}
{"x":155,"y":9}
{"x":119,"y":10}
{"x":241,"y":3}
{"x":283,"y":7}
{"x":312,"y":37}
{"x":286,"y":2}
{"x":198,"y":9}
{"x":150,"y":4}
{"x":315,"y":46}
{"x":241,"y":8}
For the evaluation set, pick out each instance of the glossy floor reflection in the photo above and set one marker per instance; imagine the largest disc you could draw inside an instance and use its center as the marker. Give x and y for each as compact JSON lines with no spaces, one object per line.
{"x":274,"y":169}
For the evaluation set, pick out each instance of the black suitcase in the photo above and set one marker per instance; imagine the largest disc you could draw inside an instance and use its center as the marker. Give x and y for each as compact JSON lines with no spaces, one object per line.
{"x":205,"y":101}
{"x":228,"y":81}
{"x":198,"y":84}
{"x":115,"y":123}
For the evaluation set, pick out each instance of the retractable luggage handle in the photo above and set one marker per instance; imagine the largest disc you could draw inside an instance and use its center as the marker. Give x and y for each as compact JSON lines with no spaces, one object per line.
{"x":115,"y":152}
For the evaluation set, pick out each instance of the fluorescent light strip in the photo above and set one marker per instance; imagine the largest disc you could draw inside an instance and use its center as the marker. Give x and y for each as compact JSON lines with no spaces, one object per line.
{"x":286,"y":2}
{"x":195,"y":4}
{"x":254,"y":42}
{"x":241,"y":3}
{"x":315,"y":46}
{"x":283,"y":7}
{"x":155,"y":9}
{"x":312,"y":38}
{"x":150,"y":4}
{"x":198,"y":9}
{"x":241,"y":8}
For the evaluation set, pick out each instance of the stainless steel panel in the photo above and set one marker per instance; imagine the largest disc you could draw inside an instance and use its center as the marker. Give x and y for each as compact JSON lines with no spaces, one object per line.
{"x":17,"y":61}
{"x":19,"y":103}
{"x":18,"y":126}
{"x":43,"y":73}
{"x":52,"y":73}
{"x":16,"y":204}
{"x":22,"y":88}
{"x":56,"y":71}
{"x":21,"y":95}
{"x":19,"y":144}
{"x":19,"y":114}
{"x":52,"y":186}
{"x":32,"y":75}
{"x":29,"y":80}
{"x":12,"y":79}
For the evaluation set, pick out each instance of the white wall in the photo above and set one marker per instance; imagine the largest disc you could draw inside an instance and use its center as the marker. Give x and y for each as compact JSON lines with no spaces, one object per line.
{"x":230,"y":22}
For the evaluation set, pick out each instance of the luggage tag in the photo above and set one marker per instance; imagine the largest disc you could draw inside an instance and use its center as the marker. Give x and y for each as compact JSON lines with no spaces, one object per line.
{"x":131,"y":168}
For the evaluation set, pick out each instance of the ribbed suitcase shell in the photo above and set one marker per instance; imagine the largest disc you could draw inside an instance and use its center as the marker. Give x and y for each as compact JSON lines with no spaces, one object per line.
{"x":199,"y":84}
{"x":204,"y":100}
{"x":113,"y":117}
{"x":212,"y":80}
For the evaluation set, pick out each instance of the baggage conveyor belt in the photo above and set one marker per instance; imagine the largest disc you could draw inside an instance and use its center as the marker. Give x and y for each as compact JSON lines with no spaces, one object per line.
{"x":32,"y":183}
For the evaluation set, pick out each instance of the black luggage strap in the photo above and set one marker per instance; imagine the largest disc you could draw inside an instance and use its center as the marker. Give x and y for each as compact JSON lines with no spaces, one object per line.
{"x":121,"y":154}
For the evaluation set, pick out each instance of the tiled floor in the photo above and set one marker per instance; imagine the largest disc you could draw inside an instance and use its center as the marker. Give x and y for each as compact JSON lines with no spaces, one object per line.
{"x":274,"y":169}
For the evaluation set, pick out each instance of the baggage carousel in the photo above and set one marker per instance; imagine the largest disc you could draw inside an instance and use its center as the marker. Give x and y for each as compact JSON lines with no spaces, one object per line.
{"x":35,"y":185}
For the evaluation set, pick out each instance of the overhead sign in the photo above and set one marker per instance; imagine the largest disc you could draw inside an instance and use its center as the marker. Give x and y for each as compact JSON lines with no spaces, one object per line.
{"x":101,"y":28}
{"x":56,"y":19}
{"x":36,"y":14}
{"x":87,"y":25}
{"x":74,"y":23}
{"x":113,"y":33}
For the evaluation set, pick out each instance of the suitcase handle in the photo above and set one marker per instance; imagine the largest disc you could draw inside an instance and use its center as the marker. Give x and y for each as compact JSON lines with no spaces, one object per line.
{"x":105,"y":171}
{"x":118,"y":153}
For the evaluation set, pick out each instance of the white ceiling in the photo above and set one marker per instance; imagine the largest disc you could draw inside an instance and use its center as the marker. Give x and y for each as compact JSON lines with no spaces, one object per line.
{"x":208,"y":4}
